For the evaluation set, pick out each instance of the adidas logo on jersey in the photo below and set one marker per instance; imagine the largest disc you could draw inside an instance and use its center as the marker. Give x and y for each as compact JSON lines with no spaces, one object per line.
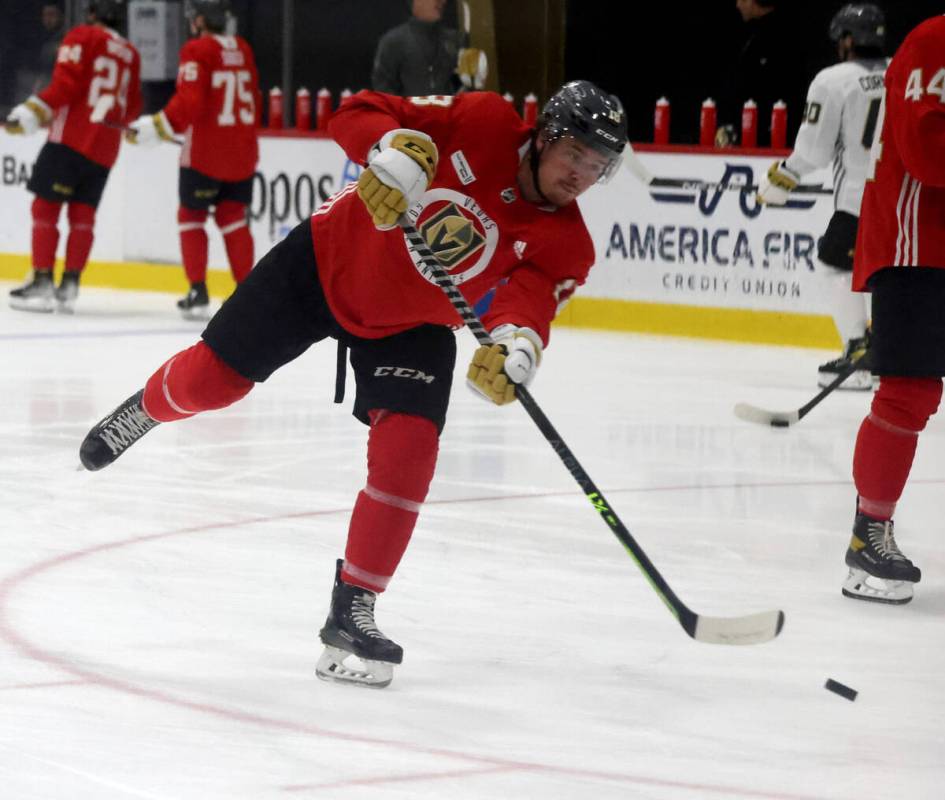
{"x":519,"y":248}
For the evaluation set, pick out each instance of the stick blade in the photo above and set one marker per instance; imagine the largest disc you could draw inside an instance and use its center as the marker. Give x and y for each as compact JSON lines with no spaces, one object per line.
{"x":751,"y":629}
{"x":760,"y":416}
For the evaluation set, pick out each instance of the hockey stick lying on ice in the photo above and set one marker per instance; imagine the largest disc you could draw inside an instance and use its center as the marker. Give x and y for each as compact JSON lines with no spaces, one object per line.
{"x":785,"y":419}
{"x":750,"y":629}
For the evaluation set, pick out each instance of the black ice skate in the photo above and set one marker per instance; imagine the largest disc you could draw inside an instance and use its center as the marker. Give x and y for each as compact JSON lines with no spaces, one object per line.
{"x":861,"y":380}
{"x":116,"y":433}
{"x":67,"y":291}
{"x":36,"y":294}
{"x":196,"y":305}
{"x":878,"y":569}
{"x":349,"y":632}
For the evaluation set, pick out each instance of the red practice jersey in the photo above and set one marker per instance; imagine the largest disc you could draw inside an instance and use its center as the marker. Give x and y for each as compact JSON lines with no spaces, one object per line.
{"x":902,"y":219}
{"x":215,"y":107}
{"x":95,"y":67}
{"x":473,"y":217}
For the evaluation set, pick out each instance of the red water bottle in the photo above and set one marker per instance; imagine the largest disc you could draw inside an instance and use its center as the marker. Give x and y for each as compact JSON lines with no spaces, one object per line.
{"x":661,"y":122}
{"x":322,"y":109}
{"x":345,"y":94}
{"x":750,"y":124}
{"x":530,"y":109}
{"x":779,"y":125}
{"x":707,"y":123}
{"x":275,"y":108}
{"x":303,"y":109}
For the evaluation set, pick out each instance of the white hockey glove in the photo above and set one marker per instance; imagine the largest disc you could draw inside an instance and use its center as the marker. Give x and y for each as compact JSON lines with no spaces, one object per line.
{"x":472,"y":66}
{"x":400,"y":168}
{"x":513,"y":359}
{"x":28,"y":116}
{"x":149,"y":130}
{"x":777,"y":184}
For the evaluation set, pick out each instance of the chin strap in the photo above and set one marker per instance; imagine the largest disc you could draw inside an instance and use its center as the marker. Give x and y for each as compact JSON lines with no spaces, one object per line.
{"x":533,"y":158}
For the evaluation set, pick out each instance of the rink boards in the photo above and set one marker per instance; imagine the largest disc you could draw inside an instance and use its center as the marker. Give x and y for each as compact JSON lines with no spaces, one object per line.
{"x":698,"y":257}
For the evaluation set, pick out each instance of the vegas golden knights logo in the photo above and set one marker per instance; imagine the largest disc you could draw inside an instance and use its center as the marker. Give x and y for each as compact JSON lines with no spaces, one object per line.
{"x":451,"y":235}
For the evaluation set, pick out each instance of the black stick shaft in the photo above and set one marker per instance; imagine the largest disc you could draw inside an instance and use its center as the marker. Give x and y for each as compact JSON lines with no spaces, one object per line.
{"x":852,"y":367}
{"x":431,"y":264}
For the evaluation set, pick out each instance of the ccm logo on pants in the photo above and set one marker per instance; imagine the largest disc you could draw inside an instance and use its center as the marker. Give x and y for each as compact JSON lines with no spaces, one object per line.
{"x":404,"y":372}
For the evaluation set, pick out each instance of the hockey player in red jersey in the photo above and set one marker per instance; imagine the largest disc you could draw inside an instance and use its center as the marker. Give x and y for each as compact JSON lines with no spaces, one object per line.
{"x":95,"y":89}
{"x":900,"y":258}
{"x":214,"y":107}
{"x":496,"y":200}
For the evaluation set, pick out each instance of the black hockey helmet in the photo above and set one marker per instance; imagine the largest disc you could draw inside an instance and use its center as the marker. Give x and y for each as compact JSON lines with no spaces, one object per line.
{"x":214,"y":12}
{"x":863,"y":21}
{"x":597,"y":119}
{"x":109,"y":12}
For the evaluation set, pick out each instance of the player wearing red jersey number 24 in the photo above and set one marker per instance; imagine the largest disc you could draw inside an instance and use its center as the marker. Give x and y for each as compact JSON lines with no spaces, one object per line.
{"x":95,"y":89}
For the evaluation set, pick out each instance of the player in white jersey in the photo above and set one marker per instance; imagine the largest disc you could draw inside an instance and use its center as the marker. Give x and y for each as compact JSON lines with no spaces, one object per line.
{"x":839,"y":125}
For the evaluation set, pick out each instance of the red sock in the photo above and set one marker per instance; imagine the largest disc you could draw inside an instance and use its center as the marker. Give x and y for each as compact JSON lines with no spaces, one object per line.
{"x":402,"y":451}
{"x":81,"y":236}
{"x":193,"y":243}
{"x":886,"y":442}
{"x":231,"y":220}
{"x":194,"y":380}
{"x":45,"y":233}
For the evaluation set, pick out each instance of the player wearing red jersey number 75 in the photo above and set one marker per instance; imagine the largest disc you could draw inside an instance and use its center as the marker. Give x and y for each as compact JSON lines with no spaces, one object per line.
{"x":214,"y":107}
{"x":495,"y":200}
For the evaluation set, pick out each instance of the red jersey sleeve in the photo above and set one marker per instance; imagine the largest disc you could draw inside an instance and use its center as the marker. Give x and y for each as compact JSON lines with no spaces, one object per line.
{"x":193,"y":86}
{"x":916,"y":103}
{"x":536,"y":289}
{"x":366,"y":116}
{"x":72,"y":70}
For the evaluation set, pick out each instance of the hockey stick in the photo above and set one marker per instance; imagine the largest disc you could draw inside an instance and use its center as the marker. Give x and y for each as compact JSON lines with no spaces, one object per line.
{"x":750,"y":629}
{"x":785,"y":419}
{"x":697,"y":185}
{"x":100,"y":110}
{"x":467,"y":24}
{"x":633,"y":163}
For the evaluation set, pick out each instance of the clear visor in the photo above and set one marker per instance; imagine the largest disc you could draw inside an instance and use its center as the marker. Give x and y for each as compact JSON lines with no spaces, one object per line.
{"x":592,"y":163}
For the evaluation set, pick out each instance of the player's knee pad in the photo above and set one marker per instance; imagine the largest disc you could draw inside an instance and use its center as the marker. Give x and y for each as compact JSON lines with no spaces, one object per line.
{"x":402,"y":452}
{"x":907,"y":402}
{"x":191,"y":217}
{"x":45,"y":212}
{"x":81,"y":215}
{"x":230,"y":216}
{"x":194,"y":380}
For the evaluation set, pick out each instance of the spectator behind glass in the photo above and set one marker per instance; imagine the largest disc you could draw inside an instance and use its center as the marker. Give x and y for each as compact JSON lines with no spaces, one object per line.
{"x":422,"y":56}
{"x":768,"y":68}
{"x":37,"y":63}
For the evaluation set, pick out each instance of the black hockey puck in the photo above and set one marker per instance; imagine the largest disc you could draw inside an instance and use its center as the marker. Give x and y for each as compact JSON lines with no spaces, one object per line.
{"x":838,"y":688}
{"x":779,"y":423}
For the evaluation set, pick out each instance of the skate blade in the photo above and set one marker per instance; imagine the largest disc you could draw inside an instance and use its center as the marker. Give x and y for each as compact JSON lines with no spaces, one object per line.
{"x":43,"y":306}
{"x":860,"y":381}
{"x":362,"y":672}
{"x":67,"y":307}
{"x":860,"y":585}
{"x":196,"y":315}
